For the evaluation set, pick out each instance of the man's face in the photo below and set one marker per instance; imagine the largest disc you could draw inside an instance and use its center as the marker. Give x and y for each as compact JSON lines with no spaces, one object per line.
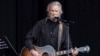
{"x":54,"y":11}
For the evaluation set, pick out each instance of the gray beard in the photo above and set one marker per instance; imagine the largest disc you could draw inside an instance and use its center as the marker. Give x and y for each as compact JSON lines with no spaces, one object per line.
{"x":55,"y":19}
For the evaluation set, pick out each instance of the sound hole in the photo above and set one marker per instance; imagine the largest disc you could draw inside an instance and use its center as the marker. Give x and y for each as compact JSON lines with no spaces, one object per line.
{"x":45,"y":54}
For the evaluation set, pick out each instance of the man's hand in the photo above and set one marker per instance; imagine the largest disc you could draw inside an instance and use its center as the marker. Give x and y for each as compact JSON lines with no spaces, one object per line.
{"x":34,"y":52}
{"x":75,"y":52}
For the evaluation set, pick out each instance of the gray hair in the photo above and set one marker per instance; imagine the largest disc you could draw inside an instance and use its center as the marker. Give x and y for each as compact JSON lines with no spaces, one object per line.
{"x":55,"y":3}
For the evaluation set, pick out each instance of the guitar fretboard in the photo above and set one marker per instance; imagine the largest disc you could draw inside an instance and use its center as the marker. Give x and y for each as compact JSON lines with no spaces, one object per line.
{"x":63,"y":52}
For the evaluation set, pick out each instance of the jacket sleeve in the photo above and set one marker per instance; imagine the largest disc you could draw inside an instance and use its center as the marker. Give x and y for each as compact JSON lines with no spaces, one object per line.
{"x":32,"y":35}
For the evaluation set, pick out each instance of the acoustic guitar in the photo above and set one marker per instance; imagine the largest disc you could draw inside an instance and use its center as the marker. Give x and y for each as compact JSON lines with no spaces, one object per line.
{"x":50,"y":51}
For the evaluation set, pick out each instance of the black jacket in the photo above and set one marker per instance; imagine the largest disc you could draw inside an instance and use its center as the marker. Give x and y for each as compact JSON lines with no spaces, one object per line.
{"x":45,"y":32}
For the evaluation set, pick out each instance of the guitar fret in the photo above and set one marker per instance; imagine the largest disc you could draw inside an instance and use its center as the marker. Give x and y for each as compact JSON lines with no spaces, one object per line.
{"x":61,"y":52}
{"x":64,"y":52}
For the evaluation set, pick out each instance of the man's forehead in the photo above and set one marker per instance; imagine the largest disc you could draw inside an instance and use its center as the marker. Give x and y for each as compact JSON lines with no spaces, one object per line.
{"x":54,"y":7}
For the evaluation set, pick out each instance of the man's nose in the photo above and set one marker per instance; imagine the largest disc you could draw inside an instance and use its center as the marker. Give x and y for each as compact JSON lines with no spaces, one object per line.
{"x":53,"y":13}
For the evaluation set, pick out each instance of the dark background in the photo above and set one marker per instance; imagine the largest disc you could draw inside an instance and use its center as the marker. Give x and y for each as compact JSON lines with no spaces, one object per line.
{"x":17,"y":17}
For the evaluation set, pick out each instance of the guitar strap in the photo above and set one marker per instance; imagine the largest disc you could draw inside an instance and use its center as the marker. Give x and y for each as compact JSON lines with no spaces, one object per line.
{"x":60,"y":34}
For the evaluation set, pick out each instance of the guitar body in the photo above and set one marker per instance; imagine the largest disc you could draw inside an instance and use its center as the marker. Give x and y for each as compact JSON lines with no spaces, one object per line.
{"x":43,"y":51}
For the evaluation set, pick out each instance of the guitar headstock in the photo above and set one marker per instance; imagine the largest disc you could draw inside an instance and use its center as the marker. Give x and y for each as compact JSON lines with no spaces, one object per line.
{"x":84,"y":49}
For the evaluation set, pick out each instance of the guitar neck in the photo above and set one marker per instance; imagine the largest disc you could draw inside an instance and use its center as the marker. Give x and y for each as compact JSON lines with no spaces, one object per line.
{"x":81,"y":49}
{"x":63,"y":52}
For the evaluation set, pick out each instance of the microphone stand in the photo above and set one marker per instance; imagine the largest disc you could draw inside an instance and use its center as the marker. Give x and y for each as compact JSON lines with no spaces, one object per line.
{"x":68,"y":23}
{"x":11,"y":45}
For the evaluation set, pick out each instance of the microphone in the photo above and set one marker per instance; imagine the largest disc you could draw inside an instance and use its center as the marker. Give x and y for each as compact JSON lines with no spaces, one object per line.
{"x":54,"y":18}
{"x":65,"y":21}
{"x":60,"y":19}
{"x":57,"y":18}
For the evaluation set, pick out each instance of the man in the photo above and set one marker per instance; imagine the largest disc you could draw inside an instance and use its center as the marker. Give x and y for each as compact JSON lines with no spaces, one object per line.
{"x":45,"y":32}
